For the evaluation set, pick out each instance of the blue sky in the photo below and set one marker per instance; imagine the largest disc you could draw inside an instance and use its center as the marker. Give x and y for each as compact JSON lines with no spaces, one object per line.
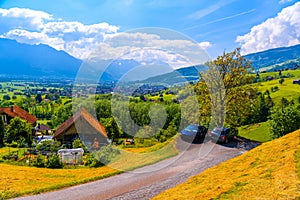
{"x":217,"y":24}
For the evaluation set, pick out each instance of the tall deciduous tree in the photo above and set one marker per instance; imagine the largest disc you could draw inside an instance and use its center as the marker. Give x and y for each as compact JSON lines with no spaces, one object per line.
{"x":224,"y":91}
{"x":111,"y":127}
{"x":18,"y":128}
{"x":63,"y":113}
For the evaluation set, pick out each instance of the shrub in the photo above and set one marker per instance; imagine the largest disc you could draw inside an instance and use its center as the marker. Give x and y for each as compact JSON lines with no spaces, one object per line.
{"x":91,"y":161}
{"x":39,"y":162}
{"x":102,"y":157}
{"x":281,"y":81}
{"x":274,"y":89}
{"x":12,"y":156}
{"x":21,"y":142}
{"x":48,"y":145}
{"x":285,"y":120}
{"x":164,"y":135}
{"x":54,"y":162}
{"x":14,"y":144}
{"x":106,"y":153}
{"x":6,"y":97}
{"x":78,"y":144}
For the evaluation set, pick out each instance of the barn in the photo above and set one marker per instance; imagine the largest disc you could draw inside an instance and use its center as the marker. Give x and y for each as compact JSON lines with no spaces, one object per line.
{"x":84,"y":126}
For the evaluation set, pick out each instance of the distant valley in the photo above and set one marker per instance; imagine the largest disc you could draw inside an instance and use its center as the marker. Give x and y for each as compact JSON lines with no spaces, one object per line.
{"x":41,"y":61}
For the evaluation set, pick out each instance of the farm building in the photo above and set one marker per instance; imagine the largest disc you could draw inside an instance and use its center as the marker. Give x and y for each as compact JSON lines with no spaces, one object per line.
{"x":42,"y":129}
{"x":9,"y":113}
{"x":84,"y":126}
{"x":296,"y":81}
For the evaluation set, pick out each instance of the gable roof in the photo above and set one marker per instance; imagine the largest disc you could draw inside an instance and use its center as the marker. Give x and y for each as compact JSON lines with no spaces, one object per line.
{"x":43,"y":127}
{"x":82,"y":113}
{"x":15,"y":111}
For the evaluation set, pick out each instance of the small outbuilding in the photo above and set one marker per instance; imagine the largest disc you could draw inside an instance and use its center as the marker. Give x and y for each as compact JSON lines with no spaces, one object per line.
{"x":71,"y":156}
{"x":84,"y":126}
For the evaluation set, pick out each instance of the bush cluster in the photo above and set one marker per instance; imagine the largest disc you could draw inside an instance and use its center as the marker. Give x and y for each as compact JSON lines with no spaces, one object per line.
{"x":48,"y":145}
{"x":39,"y":162}
{"x":101,"y":157}
{"x":54,"y":162}
{"x":284,"y":120}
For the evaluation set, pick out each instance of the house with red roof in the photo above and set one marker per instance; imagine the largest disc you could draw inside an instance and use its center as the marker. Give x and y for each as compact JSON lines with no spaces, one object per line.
{"x":9,"y":113}
{"x":84,"y":126}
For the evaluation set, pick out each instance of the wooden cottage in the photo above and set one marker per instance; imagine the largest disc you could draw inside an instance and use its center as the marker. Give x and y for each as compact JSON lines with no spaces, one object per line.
{"x":9,"y":113}
{"x":84,"y":126}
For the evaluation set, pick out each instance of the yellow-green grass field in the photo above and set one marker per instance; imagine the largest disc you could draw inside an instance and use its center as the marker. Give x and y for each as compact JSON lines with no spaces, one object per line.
{"x":270,"y":171}
{"x":287,"y":89}
{"x":22,"y":180}
{"x":259,"y":132}
{"x":133,"y":158}
{"x":166,"y":97}
{"x":7,"y":150}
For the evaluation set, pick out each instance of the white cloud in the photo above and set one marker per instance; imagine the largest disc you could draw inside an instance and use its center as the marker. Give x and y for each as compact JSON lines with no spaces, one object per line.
{"x":35,"y":27}
{"x":284,"y":1}
{"x":101,"y":40}
{"x":205,"y":45}
{"x":23,"y":18}
{"x":27,"y":37}
{"x":151,"y":48}
{"x":282,"y":30}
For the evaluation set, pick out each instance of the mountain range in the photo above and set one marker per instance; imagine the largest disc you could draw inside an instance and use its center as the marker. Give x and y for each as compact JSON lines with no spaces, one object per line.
{"x":274,"y":59}
{"x":25,"y":60}
{"x":32,"y":61}
{"x":18,"y":60}
{"x":269,"y":60}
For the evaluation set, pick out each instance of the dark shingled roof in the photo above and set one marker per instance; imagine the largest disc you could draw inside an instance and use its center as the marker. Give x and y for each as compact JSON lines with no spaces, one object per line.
{"x":15,"y":111}
{"x":81,"y":114}
{"x":43,"y":127}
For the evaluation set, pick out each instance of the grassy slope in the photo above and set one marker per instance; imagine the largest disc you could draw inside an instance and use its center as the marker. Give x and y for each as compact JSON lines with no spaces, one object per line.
{"x":287,"y":89}
{"x":129,"y":160}
{"x":21,"y":180}
{"x":266,"y":172}
{"x":258,"y":132}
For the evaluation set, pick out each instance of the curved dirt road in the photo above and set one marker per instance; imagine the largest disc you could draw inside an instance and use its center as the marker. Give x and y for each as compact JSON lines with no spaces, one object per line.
{"x":147,"y":182}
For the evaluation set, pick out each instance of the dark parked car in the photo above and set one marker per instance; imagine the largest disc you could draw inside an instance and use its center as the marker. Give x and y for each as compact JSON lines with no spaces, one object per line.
{"x":222,"y":134}
{"x":193,"y":133}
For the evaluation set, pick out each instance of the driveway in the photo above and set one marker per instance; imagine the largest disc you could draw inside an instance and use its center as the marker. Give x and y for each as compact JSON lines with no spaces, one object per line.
{"x":148,"y":181}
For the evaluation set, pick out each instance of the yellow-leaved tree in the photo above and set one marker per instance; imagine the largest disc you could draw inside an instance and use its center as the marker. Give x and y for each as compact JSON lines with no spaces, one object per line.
{"x":225,"y":92}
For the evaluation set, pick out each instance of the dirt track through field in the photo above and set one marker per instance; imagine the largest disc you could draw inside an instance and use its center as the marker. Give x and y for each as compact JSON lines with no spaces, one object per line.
{"x":147,"y":182}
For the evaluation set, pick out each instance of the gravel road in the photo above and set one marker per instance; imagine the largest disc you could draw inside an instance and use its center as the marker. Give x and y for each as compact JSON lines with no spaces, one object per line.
{"x":147,"y":182}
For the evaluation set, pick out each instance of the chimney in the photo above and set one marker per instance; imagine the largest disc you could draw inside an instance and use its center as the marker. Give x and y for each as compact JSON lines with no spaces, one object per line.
{"x":12,"y":108}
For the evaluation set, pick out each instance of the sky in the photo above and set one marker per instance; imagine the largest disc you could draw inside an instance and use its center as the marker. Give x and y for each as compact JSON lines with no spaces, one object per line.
{"x":116,"y":27}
